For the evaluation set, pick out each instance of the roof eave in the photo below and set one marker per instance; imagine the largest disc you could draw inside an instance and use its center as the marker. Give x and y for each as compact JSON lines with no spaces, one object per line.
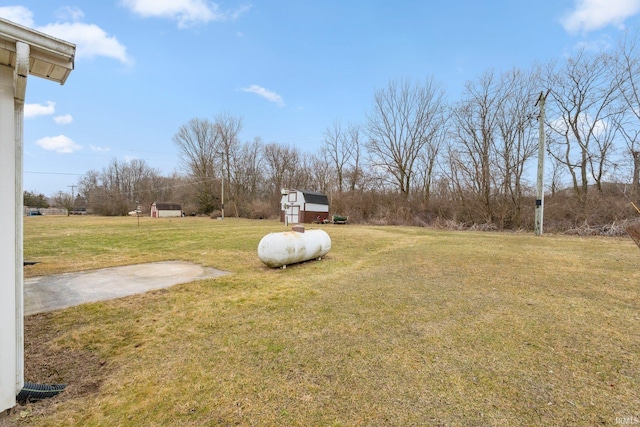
{"x":49,"y":57}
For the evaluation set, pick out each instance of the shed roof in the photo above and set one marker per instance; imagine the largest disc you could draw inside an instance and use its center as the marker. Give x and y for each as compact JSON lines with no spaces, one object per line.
{"x":314,"y":197}
{"x":163,"y":206}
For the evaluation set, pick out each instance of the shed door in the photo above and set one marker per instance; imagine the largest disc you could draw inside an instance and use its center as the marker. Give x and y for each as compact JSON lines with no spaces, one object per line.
{"x":293,"y":214}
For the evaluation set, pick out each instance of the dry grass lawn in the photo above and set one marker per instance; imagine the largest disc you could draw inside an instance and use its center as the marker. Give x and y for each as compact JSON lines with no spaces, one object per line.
{"x":396,"y":326}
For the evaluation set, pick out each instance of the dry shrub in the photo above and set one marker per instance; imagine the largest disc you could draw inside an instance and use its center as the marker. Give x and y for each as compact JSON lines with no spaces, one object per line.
{"x":610,"y":230}
{"x":564,"y":211}
{"x":394,"y":210}
{"x":360,"y":207}
{"x":259,"y":209}
{"x":190,"y":208}
{"x":448,"y":224}
{"x":633,"y":230}
{"x":484,"y":227}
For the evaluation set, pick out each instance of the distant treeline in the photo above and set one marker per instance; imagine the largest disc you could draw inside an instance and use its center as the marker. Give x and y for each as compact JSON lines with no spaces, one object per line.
{"x":422,"y":158}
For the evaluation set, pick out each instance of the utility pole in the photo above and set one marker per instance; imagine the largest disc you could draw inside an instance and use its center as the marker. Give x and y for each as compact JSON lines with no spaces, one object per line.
{"x":222,"y":204}
{"x":222,"y":181}
{"x":540,"y":182}
{"x":73,"y":196}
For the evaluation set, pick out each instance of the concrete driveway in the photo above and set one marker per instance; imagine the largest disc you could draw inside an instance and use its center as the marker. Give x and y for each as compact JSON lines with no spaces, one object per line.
{"x":48,"y":293}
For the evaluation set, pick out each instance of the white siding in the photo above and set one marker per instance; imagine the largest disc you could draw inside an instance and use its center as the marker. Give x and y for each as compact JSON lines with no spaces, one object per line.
{"x":313,"y":207}
{"x":169,"y":214}
{"x":9,"y":277}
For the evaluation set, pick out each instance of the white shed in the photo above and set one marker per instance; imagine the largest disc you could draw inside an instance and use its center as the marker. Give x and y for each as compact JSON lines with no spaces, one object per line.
{"x":301,"y":206}
{"x":165,"y":210}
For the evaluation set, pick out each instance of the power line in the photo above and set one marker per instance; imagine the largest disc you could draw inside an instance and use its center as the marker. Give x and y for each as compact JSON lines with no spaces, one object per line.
{"x":54,"y":173}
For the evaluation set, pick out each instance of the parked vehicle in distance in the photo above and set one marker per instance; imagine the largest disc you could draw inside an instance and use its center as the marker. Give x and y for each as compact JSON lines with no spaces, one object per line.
{"x":339,"y":219}
{"x":78,"y":211}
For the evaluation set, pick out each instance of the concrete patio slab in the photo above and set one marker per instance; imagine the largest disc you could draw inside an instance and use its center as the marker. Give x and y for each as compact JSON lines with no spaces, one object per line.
{"x":48,"y":293}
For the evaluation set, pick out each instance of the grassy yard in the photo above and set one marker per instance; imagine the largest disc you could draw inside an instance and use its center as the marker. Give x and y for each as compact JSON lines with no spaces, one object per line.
{"x":395,"y":326}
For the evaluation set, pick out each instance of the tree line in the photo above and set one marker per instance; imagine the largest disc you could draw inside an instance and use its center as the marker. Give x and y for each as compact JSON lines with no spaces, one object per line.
{"x":419,"y":157}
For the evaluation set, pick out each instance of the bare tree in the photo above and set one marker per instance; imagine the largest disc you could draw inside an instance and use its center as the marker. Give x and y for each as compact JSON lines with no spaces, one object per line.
{"x":582,"y":111}
{"x":115,"y":190}
{"x":338,"y":149}
{"x":175,"y":188}
{"x":64,"y":200}
{"x":556,"y":176}
{"x":354,"y":173}
{"x":518,"y":138}
{"x":281,"y":164}
{"x":198,"y":143}
{"x":322,"y":171}
{"x":428,"y":158}
{"x":459,"y":176}
{"x":627,"y":72}
{"x":475,"y":130}
{"x":405,"y":117}
{"x":247,"y":174}
{"x":227,"y":128}
{"x":302,"y":176}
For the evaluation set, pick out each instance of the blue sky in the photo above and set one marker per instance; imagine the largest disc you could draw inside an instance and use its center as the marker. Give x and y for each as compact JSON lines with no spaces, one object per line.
{"x":289,"y":69}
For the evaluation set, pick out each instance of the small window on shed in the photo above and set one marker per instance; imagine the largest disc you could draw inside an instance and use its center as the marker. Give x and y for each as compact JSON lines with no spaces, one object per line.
{"x":293,"y":196}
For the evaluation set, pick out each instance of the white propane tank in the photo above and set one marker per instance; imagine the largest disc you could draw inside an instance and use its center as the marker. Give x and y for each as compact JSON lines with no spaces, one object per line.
{"x":290,"y":247}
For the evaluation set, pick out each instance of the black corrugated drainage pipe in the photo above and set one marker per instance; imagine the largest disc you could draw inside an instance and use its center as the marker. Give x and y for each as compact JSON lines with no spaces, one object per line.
{"x":33,"y":392}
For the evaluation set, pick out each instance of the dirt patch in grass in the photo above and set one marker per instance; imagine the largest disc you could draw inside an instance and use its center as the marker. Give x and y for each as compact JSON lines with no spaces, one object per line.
{"x":45,"y":363}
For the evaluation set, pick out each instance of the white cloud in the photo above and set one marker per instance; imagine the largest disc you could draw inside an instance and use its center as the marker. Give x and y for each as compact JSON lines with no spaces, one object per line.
{"x":90,"y":40}
{"x":63,"y":120}
{"x":98,"y":149}
{"x":70,"y":13}
{"x":187,"y":12}
{"x":585,"y":125}
{"x":265,"y":93}
{"x":18,"y":14}
{"x":590,"y":15}
{"x":233,"y":15}
{"x":601,"y":44}
{"x":59,"y":144}
{"x":34,"y":110}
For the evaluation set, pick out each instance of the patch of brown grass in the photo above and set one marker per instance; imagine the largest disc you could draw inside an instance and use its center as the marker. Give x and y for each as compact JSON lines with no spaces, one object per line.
{"x":396,"y":326}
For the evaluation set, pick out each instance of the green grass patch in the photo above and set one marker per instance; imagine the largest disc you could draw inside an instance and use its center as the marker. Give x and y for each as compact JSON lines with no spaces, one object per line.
{"x":395,"y":326}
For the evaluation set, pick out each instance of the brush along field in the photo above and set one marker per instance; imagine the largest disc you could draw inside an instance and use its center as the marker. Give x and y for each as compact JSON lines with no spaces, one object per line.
{"x":395,"y":326}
